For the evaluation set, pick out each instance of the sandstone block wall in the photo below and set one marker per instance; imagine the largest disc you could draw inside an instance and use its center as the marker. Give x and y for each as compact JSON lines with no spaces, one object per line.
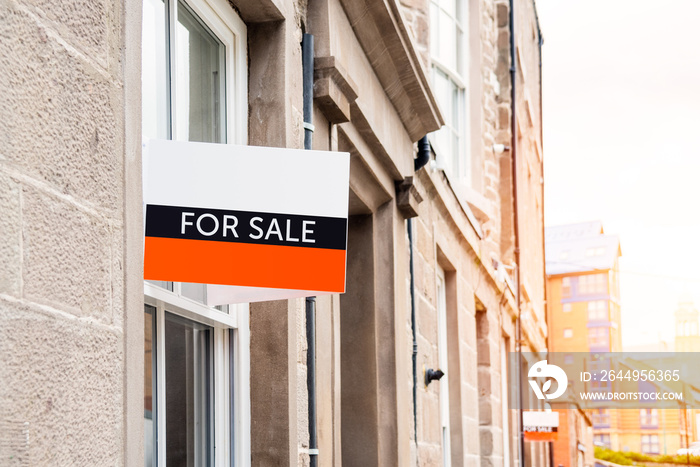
{"x":62,"y":236}
{"x":482,"y":317}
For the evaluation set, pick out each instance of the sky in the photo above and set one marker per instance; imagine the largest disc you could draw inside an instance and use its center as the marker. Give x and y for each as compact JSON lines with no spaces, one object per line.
{"x":621,"y":111}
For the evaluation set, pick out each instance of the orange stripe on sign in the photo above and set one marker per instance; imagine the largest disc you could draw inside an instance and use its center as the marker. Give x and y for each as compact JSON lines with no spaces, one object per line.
{"x":244,"y":264}
{"x":541,"y":436}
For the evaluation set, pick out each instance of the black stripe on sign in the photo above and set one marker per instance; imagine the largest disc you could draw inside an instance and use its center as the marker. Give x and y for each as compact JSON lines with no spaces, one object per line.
{"x":246,"y":227}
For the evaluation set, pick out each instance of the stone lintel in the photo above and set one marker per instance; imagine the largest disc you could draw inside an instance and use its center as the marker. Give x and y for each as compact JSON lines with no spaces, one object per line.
{"x":334,"y":90}
{"x":259,"y":11}
{"x":407,"y":197}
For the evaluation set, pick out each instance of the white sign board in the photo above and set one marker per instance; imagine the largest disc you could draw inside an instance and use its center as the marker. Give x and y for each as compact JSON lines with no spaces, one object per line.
{"x":255,"y":223}
{"x":540,"y":419}
{"x":540,"y":426}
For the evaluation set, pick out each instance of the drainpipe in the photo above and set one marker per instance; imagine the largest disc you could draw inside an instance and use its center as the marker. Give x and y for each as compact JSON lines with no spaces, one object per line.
{"x":540,"y":41}
{"x":307,"y":53}
{"x":513,"y":154}
{"x":418,"y":163}
{"x":423,"y":154}
{"x":409,"y":228}
{"x":544,"y":259}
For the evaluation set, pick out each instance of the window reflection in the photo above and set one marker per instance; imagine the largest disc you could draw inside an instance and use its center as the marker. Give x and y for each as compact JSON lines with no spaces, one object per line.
{"x":200,"y":109}
{"x":149,"y":402}
{"x":188,"y":386}
{"x":154,"y":99}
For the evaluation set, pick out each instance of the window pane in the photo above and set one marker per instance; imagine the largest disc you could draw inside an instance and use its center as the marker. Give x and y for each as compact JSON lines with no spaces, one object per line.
{"x":200,"y":101}
{"x":149,"y":385}
{"x":154,"y":76}
{"x":232,"y":392}
{"x":456,"y":130}
{"x":598,"y":337}
{"x":448,"y":41}
{"x":459,"y":57}
{"x":442,"y":92}
{"x":449,"y":6}
{"x":164,"y":284}
{"x":188,"y":386}
{"x":434,"y":28}
{"x":197,"y":292}
{"x":597,"y":310}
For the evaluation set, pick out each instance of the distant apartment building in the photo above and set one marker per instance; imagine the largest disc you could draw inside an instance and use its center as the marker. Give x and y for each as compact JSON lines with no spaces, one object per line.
{"x":651,"y":430}
{"x":654,"y":430}
{"x":687,"y":338}
{"x":583,"y":301}
{"x":583,"y":288}
{"x":583,"y":298}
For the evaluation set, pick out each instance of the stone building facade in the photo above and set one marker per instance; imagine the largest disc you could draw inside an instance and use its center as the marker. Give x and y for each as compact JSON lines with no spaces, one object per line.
{"x":83,"y":367}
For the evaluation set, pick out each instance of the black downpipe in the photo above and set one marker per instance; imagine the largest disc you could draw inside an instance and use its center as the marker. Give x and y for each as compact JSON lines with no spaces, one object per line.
{"x":423,"y":154}
{"x":307,"y":59}
{"x":513,"y":153}
{"x":311,"y":377}
{"x":409,"y":228}
{"x":418,"y":163}
{"x":540,"y":41}
{"x":307,"y":54}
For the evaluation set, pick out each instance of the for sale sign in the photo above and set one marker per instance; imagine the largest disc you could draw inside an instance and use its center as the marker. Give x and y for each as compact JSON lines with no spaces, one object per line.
{"x":267,"y":223}
{"x":540,"y":426}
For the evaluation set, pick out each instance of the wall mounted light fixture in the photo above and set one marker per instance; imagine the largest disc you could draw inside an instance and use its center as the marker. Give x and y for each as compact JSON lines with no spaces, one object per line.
{"x":433,"y":375}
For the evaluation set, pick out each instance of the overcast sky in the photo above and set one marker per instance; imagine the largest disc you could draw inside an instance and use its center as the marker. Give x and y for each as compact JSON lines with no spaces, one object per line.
{"x":621,"y":106}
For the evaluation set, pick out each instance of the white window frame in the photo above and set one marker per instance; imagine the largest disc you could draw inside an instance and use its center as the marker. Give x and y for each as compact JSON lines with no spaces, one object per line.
{"x":598,"y":336}
{"x":597,"y":310}
{"x":593,"y":284}
{"x":505,"y":411}
{"x":650,"y":444}
{"x":231,"y":350}
{"x":237,"y":320}
{"x":595,"y":251}
{"x":461,"y":155}
{"x":602,"y":439}
{"x":648,"y":418}
{"x":601,"y":417}
{"x":566,"y":289}
{"x":443,"y":356}
{"x":231,"y":31}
